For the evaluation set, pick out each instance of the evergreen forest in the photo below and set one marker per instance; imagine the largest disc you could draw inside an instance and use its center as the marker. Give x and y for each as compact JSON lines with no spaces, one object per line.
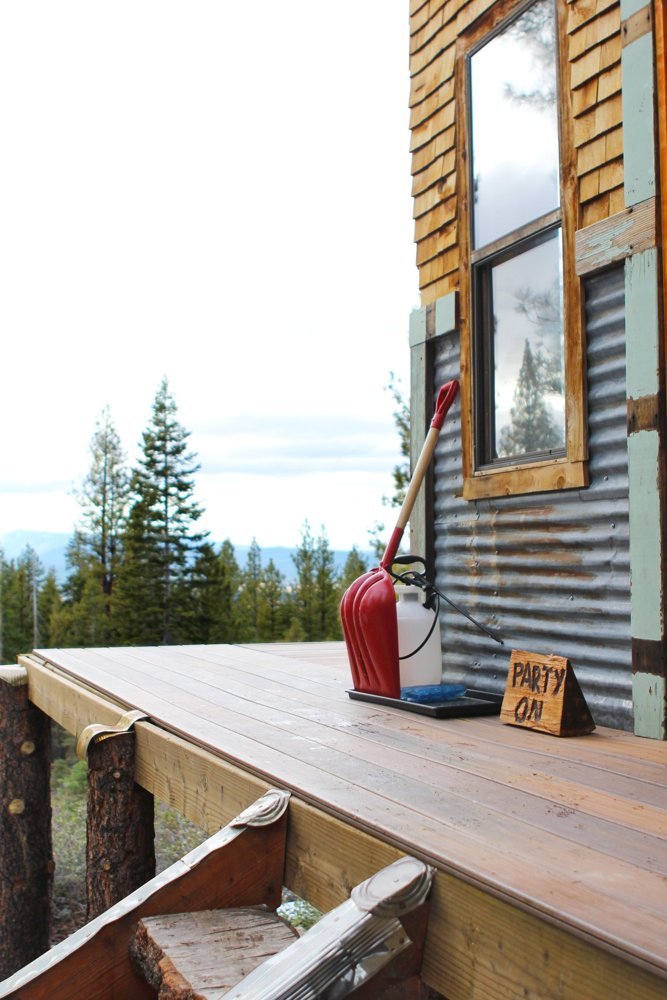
{"x":141,"y":572}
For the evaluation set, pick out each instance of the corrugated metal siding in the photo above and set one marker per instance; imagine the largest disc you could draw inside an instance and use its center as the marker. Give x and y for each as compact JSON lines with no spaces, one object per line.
{"x":550,"y":571}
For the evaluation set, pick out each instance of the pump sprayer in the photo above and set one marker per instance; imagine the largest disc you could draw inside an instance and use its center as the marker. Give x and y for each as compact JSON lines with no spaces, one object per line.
{"x":419,"y":647}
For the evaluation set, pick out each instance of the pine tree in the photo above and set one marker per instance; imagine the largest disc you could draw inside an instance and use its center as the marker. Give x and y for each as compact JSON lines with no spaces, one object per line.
{"x":82,"y":616}
{"x":327,"y":586}
{"x":531,"y":429}
{"x":230,"y":576}
{"x":314,"y":604}
{"x":355,"y":566}
{"x":377,"y":541}
{"x":85,"y":623}
{"x":78,"y":560}
{"x":272,"y":614}
{"x":23,"y":579}
{"x":152,"y":604}
{"x":401,"y":473}
{"x":94,"y":552}
{"x":48,"y":606}
{"x":214,"y":586}
{"x":104,"y":499}
{"x":137,"y":601}
{"x":247,"y":608}
{"x":303,"y":605}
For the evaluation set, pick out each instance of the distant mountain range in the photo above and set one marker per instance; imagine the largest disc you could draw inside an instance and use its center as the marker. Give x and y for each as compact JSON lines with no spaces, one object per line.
{"x":51,"y":548}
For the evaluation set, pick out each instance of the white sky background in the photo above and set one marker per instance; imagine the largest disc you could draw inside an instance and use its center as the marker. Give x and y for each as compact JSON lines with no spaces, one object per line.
{"x":219,"y":193}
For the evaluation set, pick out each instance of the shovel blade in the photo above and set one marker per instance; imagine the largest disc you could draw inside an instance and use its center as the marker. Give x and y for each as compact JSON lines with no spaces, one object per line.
{"x":368,"y":615}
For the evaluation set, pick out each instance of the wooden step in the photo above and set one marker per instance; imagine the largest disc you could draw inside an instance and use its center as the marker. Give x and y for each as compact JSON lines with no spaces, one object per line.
{"x":371,"y":945}
{"x":186,"y":955}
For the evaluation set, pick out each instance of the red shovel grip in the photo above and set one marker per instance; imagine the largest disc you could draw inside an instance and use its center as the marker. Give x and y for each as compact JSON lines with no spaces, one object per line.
{"x":446,"y":397}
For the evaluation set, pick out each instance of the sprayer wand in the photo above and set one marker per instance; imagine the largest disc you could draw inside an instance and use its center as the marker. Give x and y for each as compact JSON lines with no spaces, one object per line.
{"x":433,"y":597}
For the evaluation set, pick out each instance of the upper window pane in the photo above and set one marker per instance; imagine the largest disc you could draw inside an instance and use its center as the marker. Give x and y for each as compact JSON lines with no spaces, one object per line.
{"x":515,"y":125}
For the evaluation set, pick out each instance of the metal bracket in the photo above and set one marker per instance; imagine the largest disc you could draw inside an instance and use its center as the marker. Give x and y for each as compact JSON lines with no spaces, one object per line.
{"x":97,"y":732}
{"x":264,"y":811}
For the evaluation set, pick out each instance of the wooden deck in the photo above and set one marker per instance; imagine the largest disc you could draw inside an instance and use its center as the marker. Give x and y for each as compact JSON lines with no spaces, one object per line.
{"x":551,"y":853}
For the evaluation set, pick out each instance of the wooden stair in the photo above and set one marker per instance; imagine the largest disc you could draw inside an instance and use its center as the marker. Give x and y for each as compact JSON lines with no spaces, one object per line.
{"x":206,"y":928}
{"x":204,"y":954}
{"x":250,"y":954}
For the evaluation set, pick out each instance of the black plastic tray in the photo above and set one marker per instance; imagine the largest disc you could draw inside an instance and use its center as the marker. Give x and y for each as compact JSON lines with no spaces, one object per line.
{"x":474,"y":702}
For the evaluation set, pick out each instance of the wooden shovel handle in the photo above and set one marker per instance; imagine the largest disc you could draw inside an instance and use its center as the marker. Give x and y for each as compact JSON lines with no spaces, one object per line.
{"x":446,"y":397}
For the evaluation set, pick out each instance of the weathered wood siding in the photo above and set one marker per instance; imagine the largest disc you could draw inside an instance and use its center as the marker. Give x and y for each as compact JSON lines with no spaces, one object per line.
{"x":592,"y":46}
{"x":594,"y":55}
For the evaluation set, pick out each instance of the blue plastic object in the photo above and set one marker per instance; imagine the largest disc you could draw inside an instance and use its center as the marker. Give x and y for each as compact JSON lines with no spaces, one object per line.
{"x":433,"y":694}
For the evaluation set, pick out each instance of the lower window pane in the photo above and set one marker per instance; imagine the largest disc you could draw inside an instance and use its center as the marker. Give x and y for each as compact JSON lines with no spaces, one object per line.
{"x":528,"y":387}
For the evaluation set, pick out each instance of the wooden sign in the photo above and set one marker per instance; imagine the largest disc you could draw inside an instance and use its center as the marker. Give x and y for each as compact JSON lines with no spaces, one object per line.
{"x":542,"y":693}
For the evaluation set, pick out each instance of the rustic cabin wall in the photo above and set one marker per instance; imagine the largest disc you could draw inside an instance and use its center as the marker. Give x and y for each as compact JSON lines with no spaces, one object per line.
{"x":551,"y":571}
{"x":613,"y":69}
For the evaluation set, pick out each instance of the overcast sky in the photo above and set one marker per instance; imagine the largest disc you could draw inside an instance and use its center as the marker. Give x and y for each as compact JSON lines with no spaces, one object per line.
{"x":220,"y":193}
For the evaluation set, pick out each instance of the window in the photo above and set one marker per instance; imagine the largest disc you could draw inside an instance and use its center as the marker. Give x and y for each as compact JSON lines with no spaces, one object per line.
{"x":521,"y":339}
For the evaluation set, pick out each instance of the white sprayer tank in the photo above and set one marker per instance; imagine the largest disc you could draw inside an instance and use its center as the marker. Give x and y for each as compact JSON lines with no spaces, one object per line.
{"x":414,"y":621}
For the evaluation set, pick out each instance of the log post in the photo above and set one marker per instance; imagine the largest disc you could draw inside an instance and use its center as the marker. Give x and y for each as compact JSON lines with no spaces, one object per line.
{"x":26,"y":856}
{"x":120,"y":851}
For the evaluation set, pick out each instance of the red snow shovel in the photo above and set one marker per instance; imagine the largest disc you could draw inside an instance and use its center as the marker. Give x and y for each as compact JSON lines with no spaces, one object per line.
{"x":368,"y":608}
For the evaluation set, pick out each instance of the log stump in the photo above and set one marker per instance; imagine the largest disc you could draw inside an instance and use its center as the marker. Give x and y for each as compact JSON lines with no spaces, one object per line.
{"x":204,"y":954}
{"x":120,"y":849}
{"x":26,"y":856}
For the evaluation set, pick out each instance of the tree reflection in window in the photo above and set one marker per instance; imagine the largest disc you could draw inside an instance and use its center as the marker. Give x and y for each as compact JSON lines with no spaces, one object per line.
{"x":527,"y":348}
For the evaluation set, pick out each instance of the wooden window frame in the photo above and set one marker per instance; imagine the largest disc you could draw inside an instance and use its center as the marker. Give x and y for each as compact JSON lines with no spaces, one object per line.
{"x":569,"y":470}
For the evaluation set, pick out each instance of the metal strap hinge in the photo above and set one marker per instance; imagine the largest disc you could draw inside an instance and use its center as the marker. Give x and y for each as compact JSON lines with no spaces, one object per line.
{"x":97,"y":732}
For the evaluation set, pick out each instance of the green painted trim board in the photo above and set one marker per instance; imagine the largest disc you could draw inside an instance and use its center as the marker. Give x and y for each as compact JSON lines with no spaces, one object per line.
{"x":417,"y":327}
{"x":642,"y":327}
{"x":638,"y":120}
{"x":648,"y":700}
{"x":445,"y":314}
{"x":645,"y":538}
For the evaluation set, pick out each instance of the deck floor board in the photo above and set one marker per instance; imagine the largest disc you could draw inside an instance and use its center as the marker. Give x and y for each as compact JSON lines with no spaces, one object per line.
{"x":575,"y":829}
{"x":501,"y":784}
